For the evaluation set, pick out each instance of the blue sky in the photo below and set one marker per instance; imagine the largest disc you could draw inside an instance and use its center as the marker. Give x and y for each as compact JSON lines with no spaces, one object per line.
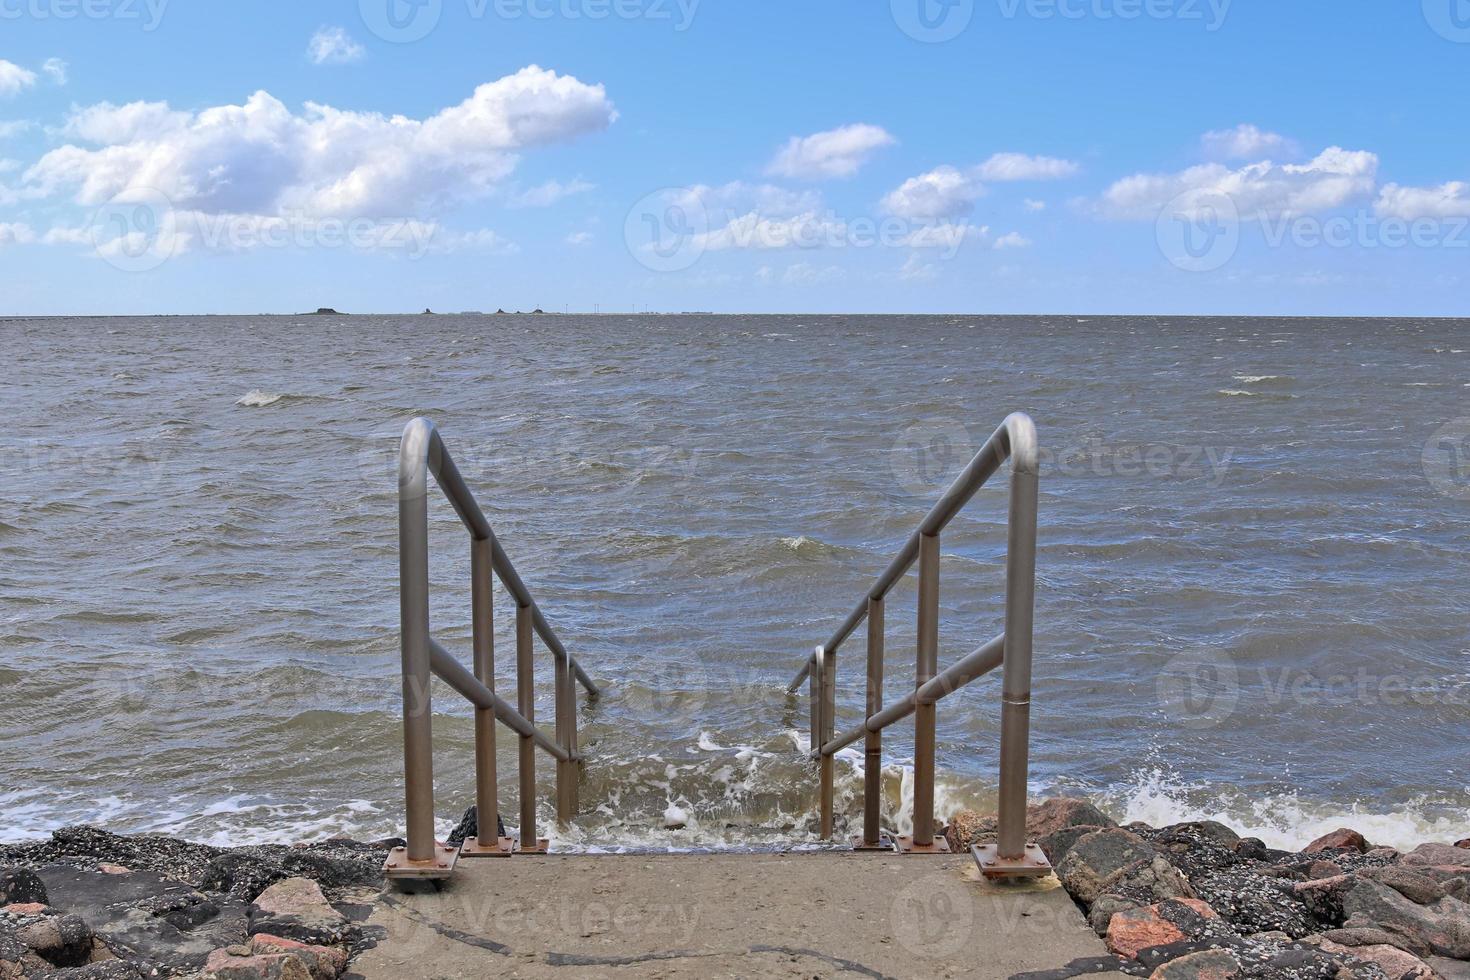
{"x":1012,"y":156}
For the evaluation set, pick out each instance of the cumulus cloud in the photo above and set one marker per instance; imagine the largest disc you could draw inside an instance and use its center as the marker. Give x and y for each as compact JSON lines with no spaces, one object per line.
{"x":261,"y":158}
{"x":547,"y":194}
{"x":14,"y":79}
{"x":943,"y":193}
{"x":1258,"y":190}
{"x":16,"y":234}
{"x":1019,"y":166}
{"x":55,"y":70}
{"x":1034,"y":205}
{"x":334,"y":46}
{"x":1012,"y":240}
{"x":835,"y":153}
{"x":580,"y":238}
{"x":801,"y":274}
{"x":915,"y":269}
{"x":1451,"y":200}
{"x":13,"y":128}
{"x":947,"y":193}
{"x":1244,"y":142}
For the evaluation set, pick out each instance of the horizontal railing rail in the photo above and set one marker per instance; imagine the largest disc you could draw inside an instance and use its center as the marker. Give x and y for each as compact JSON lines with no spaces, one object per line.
{"x":422,"y":454}
{"x":1015,"y":441}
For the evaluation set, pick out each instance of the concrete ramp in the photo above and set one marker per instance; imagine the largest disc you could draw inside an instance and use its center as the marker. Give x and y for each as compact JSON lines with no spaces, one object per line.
{"x":732,"y":915}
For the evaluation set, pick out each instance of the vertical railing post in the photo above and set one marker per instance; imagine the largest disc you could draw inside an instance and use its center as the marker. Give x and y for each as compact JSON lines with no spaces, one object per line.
{"x":924,"y":714}
{"x":873,"y":744}
{"x":413,"y":591}
{"x":487,"y":841}
{"x":1015,"y":721}
{"x":814,"y":693}
{"x":566,"y":724}
{"x":526,"y":704}
{"x":827,"y":697}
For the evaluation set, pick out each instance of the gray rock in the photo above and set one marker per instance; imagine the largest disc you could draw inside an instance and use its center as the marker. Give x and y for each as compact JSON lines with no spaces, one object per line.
{"x":20,"y":886}
{"x":1100,"y":859}
{"x":296,"y":909}
{"x":1443,"y":926}
{"x":1438,"y":855}
{"x":1417,"y":888}
{"x":1252,"y":903}
{"x":1056,"y":844}
{"x":61,"y":940}
{"x":1103,"y":910}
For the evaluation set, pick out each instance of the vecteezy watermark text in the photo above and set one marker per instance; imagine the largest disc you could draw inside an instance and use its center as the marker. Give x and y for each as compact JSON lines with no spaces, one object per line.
{"x":406,"y":21}
{"x":149,"y":13}
{"x":937,"y":21}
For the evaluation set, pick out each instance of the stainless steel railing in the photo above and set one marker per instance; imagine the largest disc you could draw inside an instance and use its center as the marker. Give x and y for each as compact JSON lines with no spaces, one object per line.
{"x":1012,"y":856}
{"x":422,"y":453}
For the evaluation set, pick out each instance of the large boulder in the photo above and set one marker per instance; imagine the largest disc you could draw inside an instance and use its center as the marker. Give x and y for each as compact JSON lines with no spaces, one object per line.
{"x":1338,"y":840}
{"x":1119,"y":862}
{"x":239,"y":963}
{"x":1207,"y":964}
{"x":61,"y":940}
{"x":324,"y":962}
{"x":1052,"y":823}
{"x":1162,"y":924}
{"x":21,"y":886}
{"x":1438,"y":856}
{"x":297,"y":909}
{"x":1443,"y":926}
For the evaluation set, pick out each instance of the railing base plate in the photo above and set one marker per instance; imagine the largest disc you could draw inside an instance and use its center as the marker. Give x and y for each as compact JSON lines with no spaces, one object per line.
{"x":1033,"y":864}
{"x":398,"y":866}
{"x":885,"y":843}
{"x":502,"y":847}
{"x":906,"y":845}
{"x":540,"y":848}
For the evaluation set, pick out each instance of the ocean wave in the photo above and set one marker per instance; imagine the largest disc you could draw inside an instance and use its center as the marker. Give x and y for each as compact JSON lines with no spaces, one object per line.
{"x":1283,"y":820}
{"x":1259,"y":379}
{"x":255,"y":398}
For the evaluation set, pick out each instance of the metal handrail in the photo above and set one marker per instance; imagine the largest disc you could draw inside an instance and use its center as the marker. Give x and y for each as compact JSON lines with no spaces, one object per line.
{"x":421,"y":453}
{"x":1015,"y":440}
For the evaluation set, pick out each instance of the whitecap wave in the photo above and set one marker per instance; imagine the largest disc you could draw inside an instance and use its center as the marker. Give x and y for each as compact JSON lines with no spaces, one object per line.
{"x":255,"y":398}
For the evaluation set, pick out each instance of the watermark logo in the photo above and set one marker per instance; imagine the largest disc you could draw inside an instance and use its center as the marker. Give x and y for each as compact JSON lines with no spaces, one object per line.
{"x":927,"y":455}
{"x":1446,"y":459}
{"x":1199,"y":689}
{"x":401,"y":21}
{"x":1449,"y":18}
{"x":934,"y":916}
{"x":667,"y":231}
{"x":1199,"y":231}
{"x":137,"y":231}
{"x":149,"y":13}
{"x":932,"y":21}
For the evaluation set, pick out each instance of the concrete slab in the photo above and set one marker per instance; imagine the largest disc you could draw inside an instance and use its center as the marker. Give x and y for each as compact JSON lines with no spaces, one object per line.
{"x":732,"y":915}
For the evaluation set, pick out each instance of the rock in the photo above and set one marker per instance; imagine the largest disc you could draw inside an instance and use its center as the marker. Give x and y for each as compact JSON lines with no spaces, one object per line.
{"x":1338,"y":840}
{"x":297,"y":909}
{"x":27,"y":909}
{"x":1211,"y":830}
{"x":61,"y":940}
{"x":113,"y":869}
{"x":111,"y":970}
{"x":1417,"y":888}
{"x":1255,"y":903}
{"x":1135,"y":930}
{"x":469,"y":826}
{"x":1443,"y":926}
{"x":1438,"y":855}
{"x":1252,"y":849}
{"x":1372,"y":936}
{"x":1318,"y":870}
{"x":969,"y":827}
{"x":1056,"y":844}
{"x":20,"y":886}
{"x":1059,"y":813}
{"x":1385,"y":854}
{"x":226,"y":964}
{"x":1323,"y":897}
{"x":1449,"y":969}
{"x":1120,"y":862}
{"x":1463,"y":843}
{"x":1103,"y":910}
{"x":1196,"y":849}
{"x":1208,"y":964}
{"x":675,"y":818}
{"x":324,"y":962}
{"x":242,"y":875}
{"x":1395,"y":962}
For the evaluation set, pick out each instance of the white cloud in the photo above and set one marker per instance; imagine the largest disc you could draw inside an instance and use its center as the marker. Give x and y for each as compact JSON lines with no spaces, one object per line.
{"x":738,"y":197}
{"x":261,"y":158}
{"x":941,"y":194}
{"x":547,"y":194}
{"x":802,"y":274}
{"x":1034,"y":205}
{"x":1335,"y":178}
{"x":333,"y":46}
{"x":580,"y":238}
{"x":835,"y":153}
{"x":14,"y":79}
{"x":1019,"y":166}
{"x":946,"y":193}
{"x":55,"y":69}
{"x":13,"y":128}
{"x":1244,"y":142}
{"x":1012,"y":240}
{"x":16,"y":234}
{"x":1451,"y":200}
{"x":915,"y":269}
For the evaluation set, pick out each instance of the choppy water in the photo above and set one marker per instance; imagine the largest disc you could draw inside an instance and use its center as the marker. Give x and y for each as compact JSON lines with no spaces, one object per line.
{"x":1253,"y":597}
